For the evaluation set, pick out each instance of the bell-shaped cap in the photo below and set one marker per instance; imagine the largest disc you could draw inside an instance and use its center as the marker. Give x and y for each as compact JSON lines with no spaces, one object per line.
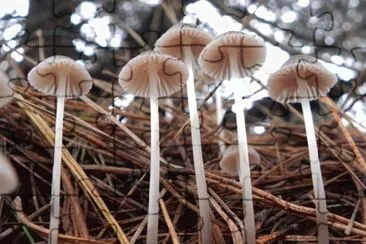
{"x":9,"y":180}
{"x":60,"y":76}
{"x":230,"y":162}
{"x":232,"y":48}
{"x":283,"y":85}
{"x":152,"y":74}
{"x":6,"y":93}
{"x":183,"y":35}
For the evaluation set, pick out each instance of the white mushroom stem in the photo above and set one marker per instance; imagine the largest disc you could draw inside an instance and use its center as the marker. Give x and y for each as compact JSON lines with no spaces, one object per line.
{"x":318,"y":185}
{"x":203,"y":197}
{"x":56,"y":173}
{"x":219,"y":115}
{"x":153,"y":211}
{"x":244,"y":169}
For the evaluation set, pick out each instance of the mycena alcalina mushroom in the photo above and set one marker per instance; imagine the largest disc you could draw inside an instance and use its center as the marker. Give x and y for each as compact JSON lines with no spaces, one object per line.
{"x":230,"y":160}
{"x":64,"y":78}
{"x":233,"y":56}
{"x":230,"y":163}
{"x":186,"y":42}
{"x":302,"y":79}
{"x":153,"y":75}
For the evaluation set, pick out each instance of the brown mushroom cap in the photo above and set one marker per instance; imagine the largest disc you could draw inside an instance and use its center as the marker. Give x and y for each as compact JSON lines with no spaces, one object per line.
{"x":8,"y":178}
{"x":230,"y":161}
{"x":283,"y":87}
{"x":60,"y":76}
{"x":182,"y":35}
{"x":165,"y":74}
{"x":6,"y":93}
{"x":217,"y":56}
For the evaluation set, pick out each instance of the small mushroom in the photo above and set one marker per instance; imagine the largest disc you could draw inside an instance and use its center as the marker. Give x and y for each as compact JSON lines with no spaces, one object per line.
{"x":302,"y":79}
{"x":230,"y":162}
{"x":186,"y":42}
{"x":9,"y":180}
{"x":64,"y":78}
{"x":233,"y":56}
{"x":153,"y":75}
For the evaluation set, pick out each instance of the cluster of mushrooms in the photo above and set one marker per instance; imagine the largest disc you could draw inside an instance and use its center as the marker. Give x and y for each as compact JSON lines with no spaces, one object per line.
{"x":179,"y":54}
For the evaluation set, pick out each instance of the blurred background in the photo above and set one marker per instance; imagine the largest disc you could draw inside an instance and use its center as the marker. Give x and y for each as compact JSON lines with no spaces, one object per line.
{"x":104,"y":35}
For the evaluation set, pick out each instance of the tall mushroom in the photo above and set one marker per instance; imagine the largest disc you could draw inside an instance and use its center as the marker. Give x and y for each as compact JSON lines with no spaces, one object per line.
{"x":186,"y":42}
{"x":232,"y":56}
{"x":64,"y":78}
{"x":153,"y":75}
{"x":302,"y":79}
{"x":9,"y":180}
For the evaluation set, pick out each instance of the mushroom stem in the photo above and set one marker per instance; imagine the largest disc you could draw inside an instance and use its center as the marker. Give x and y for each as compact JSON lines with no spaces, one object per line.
{"x":153,"y":211}
{"x":318,"y":185}
{"x":219,"y":115}
{"x":244,"y":169}
{"x":203,"y":197}
{"x":56,"y":173}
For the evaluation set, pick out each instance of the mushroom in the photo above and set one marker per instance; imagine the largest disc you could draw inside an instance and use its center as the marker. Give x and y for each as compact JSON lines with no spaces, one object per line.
{"x":153,"y":75}
{"x":230,"y":162}
{"x":232,"y":56}
{"x":185,"y":42}
{"x":8,"y":177}
{"x":302,"y":79}
{"x":64,"y":78}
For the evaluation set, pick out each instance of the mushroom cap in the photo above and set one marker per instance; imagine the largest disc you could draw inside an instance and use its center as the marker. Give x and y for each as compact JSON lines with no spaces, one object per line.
{"x":8,"y":177}
{"x":250,"y":54}
{"x":60,"y":76}
{"x":230,"y":161}
{"x":183,"y":35}
{"x":282,"y":84}
{"x":163,"y":73}
{"x":6,"y":93}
